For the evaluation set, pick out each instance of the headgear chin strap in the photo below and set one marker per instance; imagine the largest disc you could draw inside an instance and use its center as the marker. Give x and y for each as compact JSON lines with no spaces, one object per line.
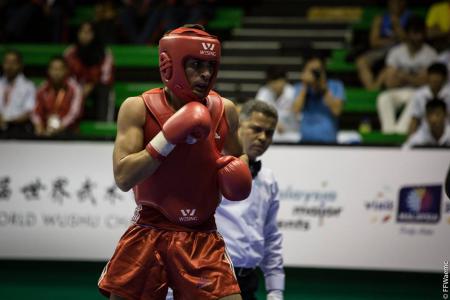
{"x":175,"y":48}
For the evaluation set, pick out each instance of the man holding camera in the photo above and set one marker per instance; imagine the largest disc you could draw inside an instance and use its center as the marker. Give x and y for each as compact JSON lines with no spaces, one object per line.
{"x":320,"y":101}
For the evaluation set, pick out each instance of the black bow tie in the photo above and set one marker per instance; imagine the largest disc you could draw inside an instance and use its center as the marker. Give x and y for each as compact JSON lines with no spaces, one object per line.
{"x":255,"y":167}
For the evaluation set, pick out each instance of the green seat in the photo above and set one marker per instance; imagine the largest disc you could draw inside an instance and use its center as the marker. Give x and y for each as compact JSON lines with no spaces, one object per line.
{"x":337,"y":62}
{"x":226,"y":18}
{"x":82,"y":13}
{"x":359,"y":100}
{"x":93,"y":129}
{"x":379,"y":138}
{"x":124,"y":56}
{"x":135,"y":56}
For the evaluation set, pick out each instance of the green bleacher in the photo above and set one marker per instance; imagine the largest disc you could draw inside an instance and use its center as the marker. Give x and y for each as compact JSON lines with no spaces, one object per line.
{"x":360,"y":100}
{"x":226,"y":18}
{"x":123,"y":90}
{"x":125,"y":56}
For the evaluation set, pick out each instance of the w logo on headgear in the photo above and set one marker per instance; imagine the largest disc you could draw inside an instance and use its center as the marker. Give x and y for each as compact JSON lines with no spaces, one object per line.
{"x":208,"y":46}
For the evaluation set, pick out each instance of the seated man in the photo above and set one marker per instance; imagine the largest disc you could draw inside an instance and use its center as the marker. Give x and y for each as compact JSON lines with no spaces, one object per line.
{"x":386,"y":31}
{"x":59,"y":101}
{"x":281,"y":94}
{"x":17,"y":97}
{"x":435,"y":131}
{"x":406,"y":70}
{"x":437,"y":87}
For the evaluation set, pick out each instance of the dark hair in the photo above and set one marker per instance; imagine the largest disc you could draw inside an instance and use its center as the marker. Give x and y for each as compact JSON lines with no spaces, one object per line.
{"x":92,"y":53}
{"x":257,"y":106}
{"x":275,"y":72}
{"x":195,"y":26}
{"x":15,"y":52}
{"x":190,"y":26}
{"x":57,"y":58}
{"x":313,"y":56}
{"x":438,"y":68}
{"x":435,"y":104}
{"x":415,"y":24}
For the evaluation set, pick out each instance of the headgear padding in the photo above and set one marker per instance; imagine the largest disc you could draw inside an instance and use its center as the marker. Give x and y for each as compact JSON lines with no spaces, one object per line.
{"x":179,"y":45}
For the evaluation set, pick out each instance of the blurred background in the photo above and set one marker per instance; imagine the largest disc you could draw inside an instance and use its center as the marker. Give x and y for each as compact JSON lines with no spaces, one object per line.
{"x":361,"y":151}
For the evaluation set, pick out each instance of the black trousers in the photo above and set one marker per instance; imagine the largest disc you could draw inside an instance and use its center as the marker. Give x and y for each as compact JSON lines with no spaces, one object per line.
{"x":248,"y":282}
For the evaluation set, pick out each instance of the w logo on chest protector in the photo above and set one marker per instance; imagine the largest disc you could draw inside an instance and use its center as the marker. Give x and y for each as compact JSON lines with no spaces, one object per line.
{"x":188,"y":215}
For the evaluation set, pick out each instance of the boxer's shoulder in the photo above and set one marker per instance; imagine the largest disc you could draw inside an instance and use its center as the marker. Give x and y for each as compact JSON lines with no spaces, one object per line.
{"x":132,"y":110}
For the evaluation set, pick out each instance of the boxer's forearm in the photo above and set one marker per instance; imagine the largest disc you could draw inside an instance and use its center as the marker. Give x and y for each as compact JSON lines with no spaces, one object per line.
{"x":134,"y":168}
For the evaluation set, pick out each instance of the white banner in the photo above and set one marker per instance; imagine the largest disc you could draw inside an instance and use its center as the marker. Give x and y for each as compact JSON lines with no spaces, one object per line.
{"x":377,"y":208}
{"x":58,"y":200}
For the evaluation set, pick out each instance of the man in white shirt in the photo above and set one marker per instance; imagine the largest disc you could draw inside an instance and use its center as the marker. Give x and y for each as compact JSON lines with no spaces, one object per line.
{"x":17,"y":96}
{"x":437,"y":87}
{"x":249,"y":227}
{"x":435,"y":131}
{"x":406,"y":70}
{"x":444,"y":57}
{"x":281,"y":94}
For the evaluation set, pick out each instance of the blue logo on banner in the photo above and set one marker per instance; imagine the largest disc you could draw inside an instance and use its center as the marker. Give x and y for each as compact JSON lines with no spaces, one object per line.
{"x":420,"y":204}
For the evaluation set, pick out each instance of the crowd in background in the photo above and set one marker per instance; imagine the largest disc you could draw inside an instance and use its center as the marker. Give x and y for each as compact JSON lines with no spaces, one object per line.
{"x":406,"y":58}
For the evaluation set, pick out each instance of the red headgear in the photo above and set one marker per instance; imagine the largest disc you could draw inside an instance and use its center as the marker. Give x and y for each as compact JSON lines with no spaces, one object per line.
{"x":175,"y":48}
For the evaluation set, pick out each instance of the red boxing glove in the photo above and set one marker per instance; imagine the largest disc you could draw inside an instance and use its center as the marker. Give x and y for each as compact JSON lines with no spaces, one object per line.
{"x":193,"y":119}
{"x":190,"y":123}
{"x":235,"y":179}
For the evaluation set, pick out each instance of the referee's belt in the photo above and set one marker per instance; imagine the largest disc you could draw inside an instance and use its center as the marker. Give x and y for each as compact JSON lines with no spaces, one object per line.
{"x":244,"y":272}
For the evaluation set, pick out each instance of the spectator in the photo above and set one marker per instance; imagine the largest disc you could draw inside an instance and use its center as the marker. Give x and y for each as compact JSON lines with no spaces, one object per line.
{"x":58,"y":102}
{"x":407,"y":65}
{"x":36,"y":20}
{"x":281,"y":94}
{"x":436,"y":88}
{"x":106,"y":21}
{"x":386,"y":31}
{"x":444,"y":57}
{"x":141,"y":20}
{"x":438,"y":25}
{"x":17,"y":97}
{"x":320,"y":101}
{"x":187,"y":11}
{"x":435,"y":131}
{"x":92,"y":65}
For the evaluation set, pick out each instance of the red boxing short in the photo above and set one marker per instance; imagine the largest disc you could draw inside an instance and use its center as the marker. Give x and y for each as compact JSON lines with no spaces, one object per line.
{"x":148,"y":260}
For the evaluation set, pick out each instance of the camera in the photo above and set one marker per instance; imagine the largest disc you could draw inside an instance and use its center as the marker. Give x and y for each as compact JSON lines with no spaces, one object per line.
{"x":317,"y":73}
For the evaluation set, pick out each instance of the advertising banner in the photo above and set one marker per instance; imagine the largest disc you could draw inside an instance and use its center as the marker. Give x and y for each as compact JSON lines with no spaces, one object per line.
{"x":341,"y":207}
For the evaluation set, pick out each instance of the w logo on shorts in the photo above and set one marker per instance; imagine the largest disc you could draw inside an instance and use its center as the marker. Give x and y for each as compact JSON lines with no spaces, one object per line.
{"x":188,"y":212}
{"x":188,"y":215}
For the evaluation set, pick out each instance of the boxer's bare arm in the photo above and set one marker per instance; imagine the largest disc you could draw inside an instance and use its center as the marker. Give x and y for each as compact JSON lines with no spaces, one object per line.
{"x":232,"y":144}
{"x":131,"y":162}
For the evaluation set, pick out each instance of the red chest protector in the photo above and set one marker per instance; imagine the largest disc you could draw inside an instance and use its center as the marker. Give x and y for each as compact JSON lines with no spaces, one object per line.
{"x":184,"y":187}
